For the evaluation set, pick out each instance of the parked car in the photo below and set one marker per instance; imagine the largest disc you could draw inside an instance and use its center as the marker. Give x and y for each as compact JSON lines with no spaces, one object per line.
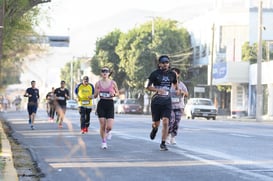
{"x":200,"y":107}
{"x":71,"y":104}
{"x":128,"y":106}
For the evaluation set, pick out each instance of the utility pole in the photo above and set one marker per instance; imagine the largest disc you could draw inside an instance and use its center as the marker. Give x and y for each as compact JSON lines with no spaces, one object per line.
{"x":268,"y":44}
{"x":259,"y":94}
{"x":211,"y":61}
{"x":71,"y":78}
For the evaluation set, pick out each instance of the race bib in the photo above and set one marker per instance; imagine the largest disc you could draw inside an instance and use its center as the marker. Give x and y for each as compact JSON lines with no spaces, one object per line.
{"x":165,"y":93}
{"x":175,"y":100}
{"x":105,"y":94}
{"x":85,"y":102}
{"x":61,"y":98}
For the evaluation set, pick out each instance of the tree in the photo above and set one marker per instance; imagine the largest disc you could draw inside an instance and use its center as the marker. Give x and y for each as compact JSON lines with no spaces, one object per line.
{"x":137,"y":57}
{"x":133,"y":55}
{"x":249,"y":52}
{"x":139,"y":49}
{"x":16,"y":20}
{"x":105,"y":55}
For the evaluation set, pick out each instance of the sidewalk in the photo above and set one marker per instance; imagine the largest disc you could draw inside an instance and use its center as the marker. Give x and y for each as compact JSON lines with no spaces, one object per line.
{"x":265,"y":119}
{"x":9,"y":172}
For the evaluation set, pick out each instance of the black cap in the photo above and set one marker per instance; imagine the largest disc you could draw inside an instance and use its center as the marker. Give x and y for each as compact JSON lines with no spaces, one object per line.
{"x":164,"y":58}
{"x":85,"y":78}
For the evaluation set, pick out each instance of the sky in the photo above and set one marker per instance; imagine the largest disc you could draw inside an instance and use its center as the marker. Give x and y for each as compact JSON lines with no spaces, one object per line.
{"x":71,"y":17}
{"x":85,"y":21}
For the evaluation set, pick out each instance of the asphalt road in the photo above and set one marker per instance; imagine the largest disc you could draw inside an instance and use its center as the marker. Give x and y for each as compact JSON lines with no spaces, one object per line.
{"x":206,"y":150}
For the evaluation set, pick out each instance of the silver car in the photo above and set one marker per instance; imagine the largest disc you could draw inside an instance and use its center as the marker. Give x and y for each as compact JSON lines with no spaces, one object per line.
{"x":200,"y":107}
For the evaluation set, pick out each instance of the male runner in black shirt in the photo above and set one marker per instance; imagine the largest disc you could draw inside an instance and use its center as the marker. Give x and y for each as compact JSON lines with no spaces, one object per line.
{"x":61,"y":95}
{"x":33,"y":100}
{"x":160,"y":82}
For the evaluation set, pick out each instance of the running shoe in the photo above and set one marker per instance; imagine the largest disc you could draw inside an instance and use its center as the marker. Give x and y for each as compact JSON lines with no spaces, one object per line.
{"x":109,"y":135}
{"x":32,"y":127}
{"x":104,"y":145}
{"x":153,"y":133}
{"x":163,"y":147}
{"x":86,"y":130}
{"x":173,"y":142}
{"x":82,"y":131}
{"x":168,"y":140}
{"x":60,"y":126}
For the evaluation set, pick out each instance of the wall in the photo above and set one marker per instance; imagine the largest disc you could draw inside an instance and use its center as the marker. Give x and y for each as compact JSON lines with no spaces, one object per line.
{"x":267,"y":22}
{"x":267,"y":79}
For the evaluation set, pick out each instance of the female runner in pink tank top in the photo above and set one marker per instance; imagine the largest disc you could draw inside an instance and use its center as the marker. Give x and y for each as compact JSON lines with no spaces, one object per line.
{"x":105,"y":89}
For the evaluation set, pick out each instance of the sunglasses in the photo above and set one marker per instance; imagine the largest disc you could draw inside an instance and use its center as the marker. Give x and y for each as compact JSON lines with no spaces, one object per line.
{"x":104,"y":71}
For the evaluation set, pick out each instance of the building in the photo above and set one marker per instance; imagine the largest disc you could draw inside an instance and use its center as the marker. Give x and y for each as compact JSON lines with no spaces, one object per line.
{"x":217,"y":39}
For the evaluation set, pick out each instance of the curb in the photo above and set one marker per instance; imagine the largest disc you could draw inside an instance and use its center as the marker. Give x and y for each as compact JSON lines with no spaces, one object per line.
{"x":9,"y":172}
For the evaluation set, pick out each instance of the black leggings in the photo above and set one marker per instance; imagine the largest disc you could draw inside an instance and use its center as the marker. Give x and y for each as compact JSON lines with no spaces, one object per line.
{"x":85,"y":116}
{"x":51,"y":111}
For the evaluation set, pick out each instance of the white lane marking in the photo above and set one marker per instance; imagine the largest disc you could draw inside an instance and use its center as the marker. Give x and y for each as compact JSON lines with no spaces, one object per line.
{"x":241,"y":135}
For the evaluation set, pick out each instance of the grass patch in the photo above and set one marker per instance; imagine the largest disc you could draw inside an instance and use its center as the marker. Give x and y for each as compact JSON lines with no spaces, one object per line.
{"x":2,"y":159}
{"x":26,"y":168}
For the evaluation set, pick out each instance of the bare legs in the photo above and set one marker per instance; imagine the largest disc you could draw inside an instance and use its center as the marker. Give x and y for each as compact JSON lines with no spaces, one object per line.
{"x":165,"y":124}
{"x":105,"y":126}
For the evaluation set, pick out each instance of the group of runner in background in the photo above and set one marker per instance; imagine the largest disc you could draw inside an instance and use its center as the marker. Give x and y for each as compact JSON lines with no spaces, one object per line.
{"x":6,"y":103}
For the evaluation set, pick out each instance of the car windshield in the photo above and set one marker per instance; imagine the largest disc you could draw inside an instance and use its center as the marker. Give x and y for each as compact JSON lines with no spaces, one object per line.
{"x":203,"y":102}
{"x":131,"y":101}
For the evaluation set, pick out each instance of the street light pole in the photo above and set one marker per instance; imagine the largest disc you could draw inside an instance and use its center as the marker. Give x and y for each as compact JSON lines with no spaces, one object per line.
{"x":259,"y":94}
{"x":211,"y":62}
